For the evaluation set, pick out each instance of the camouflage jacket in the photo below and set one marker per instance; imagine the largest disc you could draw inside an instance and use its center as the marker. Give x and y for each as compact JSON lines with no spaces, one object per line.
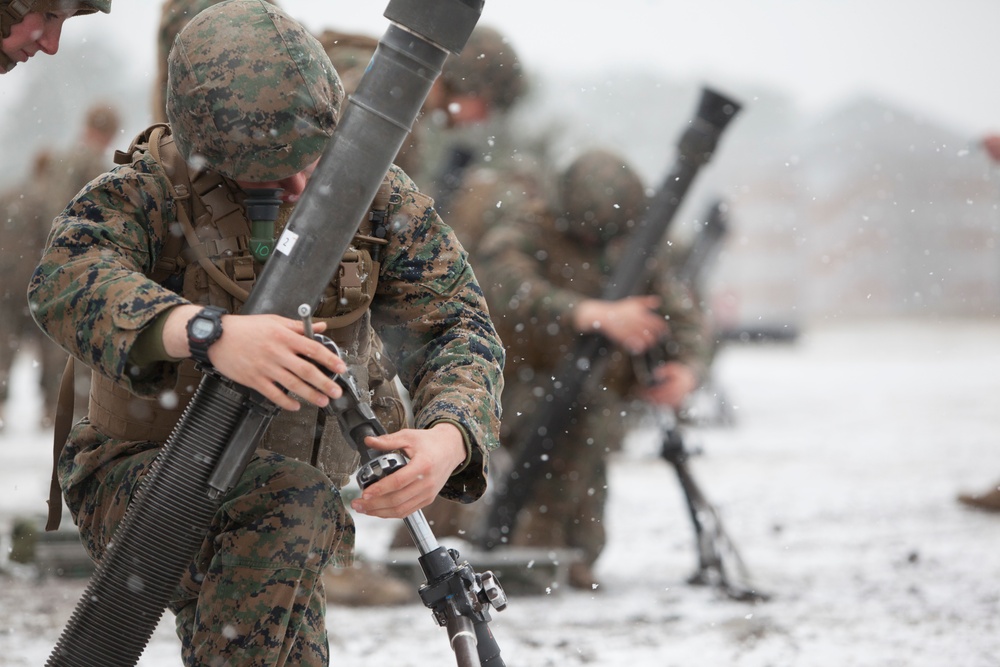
{"x":536,"y":275}
{"x":91,"y":293}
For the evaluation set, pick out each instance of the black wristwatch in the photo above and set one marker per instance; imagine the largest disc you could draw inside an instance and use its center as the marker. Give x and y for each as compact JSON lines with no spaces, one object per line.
{"x":204,"y":329}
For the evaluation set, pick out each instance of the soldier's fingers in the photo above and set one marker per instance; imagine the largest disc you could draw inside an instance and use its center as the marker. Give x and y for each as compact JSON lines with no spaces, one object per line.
{"x":315,"y":379}
{"x":274,"y":393}
{"x":392,"y":506}
{"x":307,"y":392}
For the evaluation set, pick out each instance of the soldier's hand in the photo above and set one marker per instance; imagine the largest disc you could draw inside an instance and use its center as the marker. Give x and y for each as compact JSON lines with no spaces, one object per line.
{"x":674,"y":382}
{"x":433,"y":455}
{"x":264,"y":353}
{"x":632,"y":322}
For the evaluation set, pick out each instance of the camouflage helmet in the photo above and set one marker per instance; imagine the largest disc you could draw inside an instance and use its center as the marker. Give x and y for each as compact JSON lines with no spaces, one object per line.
{"x":252,"y":94}
{"x":600,"y":196}
{"x":488,"y":67}
{"x":14,"y":11}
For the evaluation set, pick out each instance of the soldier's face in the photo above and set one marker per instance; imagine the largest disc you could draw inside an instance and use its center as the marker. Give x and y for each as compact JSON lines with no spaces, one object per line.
{"x":39,"y":31}
{"x":291,"y":187}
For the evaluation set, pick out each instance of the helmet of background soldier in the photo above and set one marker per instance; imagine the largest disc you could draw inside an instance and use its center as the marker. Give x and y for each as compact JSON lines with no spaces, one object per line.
{"x":12,"y":12}
{"x":600,"y":197}
{"x":488,"y":67}
{"x":252,"y":94}
{"x":350,"y":54}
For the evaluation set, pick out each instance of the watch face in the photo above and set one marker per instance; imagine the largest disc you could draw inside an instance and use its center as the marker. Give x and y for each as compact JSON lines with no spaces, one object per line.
{"x":202,"y":328}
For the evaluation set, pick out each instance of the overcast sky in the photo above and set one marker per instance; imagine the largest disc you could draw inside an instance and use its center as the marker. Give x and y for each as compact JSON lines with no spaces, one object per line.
{"x":933,"y":56}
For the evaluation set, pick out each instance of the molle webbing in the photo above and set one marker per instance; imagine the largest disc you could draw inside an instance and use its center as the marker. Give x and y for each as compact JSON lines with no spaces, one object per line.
{"x":119,"y":414}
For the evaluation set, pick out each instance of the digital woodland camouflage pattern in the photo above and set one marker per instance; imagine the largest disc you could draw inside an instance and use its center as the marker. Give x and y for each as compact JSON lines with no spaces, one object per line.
{"x":232,"y":56}
{"x":23,"y":229}
{"x":257,"y":574}
{"x":536,"y":270}
{"x":253,"y":594}
{"x":429,"y":310}
{"x":55,"y":178}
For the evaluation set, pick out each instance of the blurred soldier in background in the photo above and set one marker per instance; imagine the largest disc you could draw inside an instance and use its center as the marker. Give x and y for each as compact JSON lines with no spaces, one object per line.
{"x":543,"y":272}
{"x":988,"y":500}
{"x":21,"y":244}
{"x":471,"y":163}
{"x":30,"y":26}
{"x":350,"y":54}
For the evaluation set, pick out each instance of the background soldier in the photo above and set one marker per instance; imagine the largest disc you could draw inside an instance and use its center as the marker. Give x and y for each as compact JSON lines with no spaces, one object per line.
{"x":465,"y":153}
{"x":174,"y":15}
{"x":55,"y":181}
{"x":24,"y":229}
{"x":284,"y":521}
{"x":988,"y":500}
{"x":36,"y":25}
{"x":70,"y":170}
{"x":544,"y":271}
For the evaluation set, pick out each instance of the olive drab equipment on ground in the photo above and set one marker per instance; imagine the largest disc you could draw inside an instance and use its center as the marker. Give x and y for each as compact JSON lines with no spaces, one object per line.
{"x":210,"y":445}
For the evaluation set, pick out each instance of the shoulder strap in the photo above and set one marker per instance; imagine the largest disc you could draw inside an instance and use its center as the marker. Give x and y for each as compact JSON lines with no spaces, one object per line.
{"x":160,"y":146}
{"x":64,"y":422}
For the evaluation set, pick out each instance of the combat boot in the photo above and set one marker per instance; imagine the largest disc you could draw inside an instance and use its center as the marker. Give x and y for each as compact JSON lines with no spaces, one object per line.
{"x":988,"y":501}
{"x":366,"y":585}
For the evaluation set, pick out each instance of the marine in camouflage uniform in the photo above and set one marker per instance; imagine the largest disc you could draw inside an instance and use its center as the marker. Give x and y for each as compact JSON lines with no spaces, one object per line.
{"x":470,"y":164}
{"x":30,"y":26}
{"x":253,"y":102}
{"x":545,"y":269}
{"x":473,"y":164}
{"x":22,"y":237}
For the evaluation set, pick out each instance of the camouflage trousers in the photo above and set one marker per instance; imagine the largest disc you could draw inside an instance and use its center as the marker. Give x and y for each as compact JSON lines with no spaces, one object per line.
{"x":253,"y":596}
{"x":566,"y":507}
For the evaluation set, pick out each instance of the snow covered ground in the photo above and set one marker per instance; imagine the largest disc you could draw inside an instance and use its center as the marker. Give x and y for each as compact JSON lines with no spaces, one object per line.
{"x":837,"y":483}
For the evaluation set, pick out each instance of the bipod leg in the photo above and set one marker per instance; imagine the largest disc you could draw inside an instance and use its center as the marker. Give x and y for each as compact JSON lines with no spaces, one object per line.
{"x":719,"y":562}
{"x":459,"y":598}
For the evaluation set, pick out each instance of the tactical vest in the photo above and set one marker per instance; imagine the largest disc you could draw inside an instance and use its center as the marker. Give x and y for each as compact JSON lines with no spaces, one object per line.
{"x":209,"y":259}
